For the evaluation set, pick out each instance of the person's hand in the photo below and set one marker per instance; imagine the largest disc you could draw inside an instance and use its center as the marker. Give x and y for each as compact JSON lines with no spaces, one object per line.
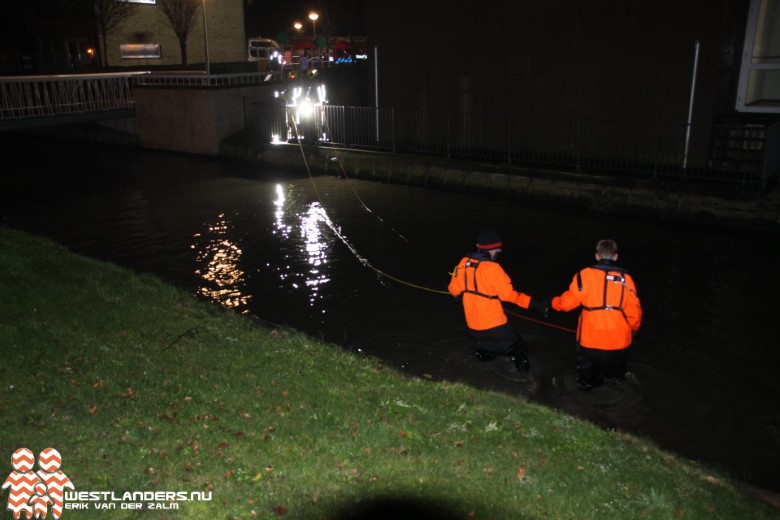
{"x":540,"y":306}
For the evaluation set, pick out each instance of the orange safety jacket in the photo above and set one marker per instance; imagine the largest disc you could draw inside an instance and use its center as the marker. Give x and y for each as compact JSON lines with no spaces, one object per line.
{"x":611,"y":310}
{"x":484,"y":285}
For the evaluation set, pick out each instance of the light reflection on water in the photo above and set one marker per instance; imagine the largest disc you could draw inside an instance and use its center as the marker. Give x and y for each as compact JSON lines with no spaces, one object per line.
{"x":316,"y":248}
{"x":309,"y":236}
{"x":313,"y":244}
{"x":220,"y":258}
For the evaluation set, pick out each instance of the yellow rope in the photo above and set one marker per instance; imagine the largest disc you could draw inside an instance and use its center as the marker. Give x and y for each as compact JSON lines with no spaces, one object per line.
{"x":408,"y":283}
{"x":366,"y":262}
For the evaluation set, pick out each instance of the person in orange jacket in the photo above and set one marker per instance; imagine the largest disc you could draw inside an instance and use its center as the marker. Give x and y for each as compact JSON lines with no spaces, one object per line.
{"x":482,"y":284}
{"x":610,"y":316}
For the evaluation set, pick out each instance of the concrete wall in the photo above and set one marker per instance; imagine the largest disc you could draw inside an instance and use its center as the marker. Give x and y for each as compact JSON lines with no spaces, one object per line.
{"x":191,"y":120}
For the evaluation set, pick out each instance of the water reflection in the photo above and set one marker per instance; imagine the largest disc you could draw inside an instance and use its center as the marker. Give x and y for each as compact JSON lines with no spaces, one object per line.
{"x":314,"y":246}
{"x":220,"y":259}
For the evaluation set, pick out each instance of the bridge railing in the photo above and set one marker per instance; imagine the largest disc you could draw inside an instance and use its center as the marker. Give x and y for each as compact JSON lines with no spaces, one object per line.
{"x":45,"y":96}
{"x":25,"y":97}
{"x":199,"y":79}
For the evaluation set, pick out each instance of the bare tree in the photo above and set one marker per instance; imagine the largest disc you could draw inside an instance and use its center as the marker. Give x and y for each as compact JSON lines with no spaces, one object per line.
{"x":110,"y":14}
{"x":180,"y":15}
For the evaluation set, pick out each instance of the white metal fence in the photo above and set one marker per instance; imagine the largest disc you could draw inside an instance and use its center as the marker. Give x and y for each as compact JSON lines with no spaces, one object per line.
{"x":46,"y":96}
{"x":23,"y":97}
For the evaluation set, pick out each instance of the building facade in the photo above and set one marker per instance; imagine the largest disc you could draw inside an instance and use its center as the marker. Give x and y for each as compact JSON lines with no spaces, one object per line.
{"x":628,"y":60}
{"x":660,"y":88}
{"x":145,"y":39}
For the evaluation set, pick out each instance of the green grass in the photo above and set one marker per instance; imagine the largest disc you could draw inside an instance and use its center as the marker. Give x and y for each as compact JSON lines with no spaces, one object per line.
{"x":142,"y":388}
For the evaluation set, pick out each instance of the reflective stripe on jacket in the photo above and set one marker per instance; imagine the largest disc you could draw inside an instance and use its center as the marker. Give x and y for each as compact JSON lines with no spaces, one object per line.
{"x":484,"y":285}
{"x":611,"y":310}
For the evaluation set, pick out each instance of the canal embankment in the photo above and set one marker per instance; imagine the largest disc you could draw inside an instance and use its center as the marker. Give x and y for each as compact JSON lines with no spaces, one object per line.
{"x":676,"y":200}
{"x":683,"y":200}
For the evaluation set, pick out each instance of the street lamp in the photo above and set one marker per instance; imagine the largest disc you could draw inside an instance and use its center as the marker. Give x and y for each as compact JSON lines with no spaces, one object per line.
{"x":206,"y":39}
{"x":313,"y":17}
{"x":298,"y":26}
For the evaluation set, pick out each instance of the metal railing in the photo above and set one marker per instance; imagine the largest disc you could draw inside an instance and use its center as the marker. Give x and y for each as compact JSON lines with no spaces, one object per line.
{"x":718,"y":153}
{"x":24,"y":97}
{"x":46,"y":96}
{"x":200,"y":79}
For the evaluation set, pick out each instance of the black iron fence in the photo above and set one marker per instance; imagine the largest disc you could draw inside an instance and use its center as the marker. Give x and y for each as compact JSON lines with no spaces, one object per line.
{"x":728,"y":154}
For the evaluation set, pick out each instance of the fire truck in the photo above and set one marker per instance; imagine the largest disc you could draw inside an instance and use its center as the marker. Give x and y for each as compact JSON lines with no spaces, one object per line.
{"x":265,"y":51}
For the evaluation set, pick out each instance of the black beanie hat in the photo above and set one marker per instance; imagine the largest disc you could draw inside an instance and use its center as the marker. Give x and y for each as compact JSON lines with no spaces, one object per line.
{"x":488,"y":239}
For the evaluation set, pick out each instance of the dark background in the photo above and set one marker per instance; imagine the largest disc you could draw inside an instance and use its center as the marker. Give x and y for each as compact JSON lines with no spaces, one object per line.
{"x":337,"y":18}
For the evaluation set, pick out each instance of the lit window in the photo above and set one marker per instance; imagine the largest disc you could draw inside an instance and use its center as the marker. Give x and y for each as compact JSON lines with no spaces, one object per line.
{"x":135,"y":51}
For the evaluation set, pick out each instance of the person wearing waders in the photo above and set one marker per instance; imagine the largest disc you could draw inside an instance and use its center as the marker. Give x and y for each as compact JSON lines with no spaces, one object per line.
{"x":482,"y":285}
{"x":610,"y":316}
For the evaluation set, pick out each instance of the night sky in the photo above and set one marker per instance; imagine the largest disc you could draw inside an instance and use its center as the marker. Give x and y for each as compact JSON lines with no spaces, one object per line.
{"x":264,"y":18}
{"x":337,"y":17}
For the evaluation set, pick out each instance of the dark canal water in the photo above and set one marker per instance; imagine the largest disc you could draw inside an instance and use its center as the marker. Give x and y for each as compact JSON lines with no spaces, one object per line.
{"x":364,"y":265}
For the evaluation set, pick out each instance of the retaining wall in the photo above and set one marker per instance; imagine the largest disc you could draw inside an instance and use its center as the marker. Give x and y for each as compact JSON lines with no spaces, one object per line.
{"x":192,"y":120}
{"x":677,"y":200}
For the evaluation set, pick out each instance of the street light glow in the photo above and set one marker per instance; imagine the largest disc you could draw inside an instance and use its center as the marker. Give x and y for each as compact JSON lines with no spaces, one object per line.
{"x":313,"y":17}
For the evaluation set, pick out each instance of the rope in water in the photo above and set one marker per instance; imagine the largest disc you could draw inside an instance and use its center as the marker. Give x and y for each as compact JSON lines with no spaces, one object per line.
{"x":363,"y":260}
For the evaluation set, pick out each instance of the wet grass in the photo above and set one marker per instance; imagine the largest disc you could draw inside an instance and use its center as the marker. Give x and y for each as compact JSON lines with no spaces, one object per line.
{"x":142,"y":388}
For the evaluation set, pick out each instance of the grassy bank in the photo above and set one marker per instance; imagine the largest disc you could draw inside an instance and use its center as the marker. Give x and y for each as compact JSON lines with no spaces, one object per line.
{"x":142,"y":388}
